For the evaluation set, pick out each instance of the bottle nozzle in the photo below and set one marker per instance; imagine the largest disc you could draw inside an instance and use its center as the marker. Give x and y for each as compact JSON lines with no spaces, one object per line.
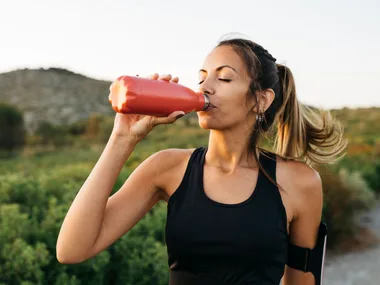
{"x":207,"y":101}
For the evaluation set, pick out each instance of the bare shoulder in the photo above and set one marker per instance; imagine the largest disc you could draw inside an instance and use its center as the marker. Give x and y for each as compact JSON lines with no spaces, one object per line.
{"x":169,"y":158}
{"x":170,"y":165}
{"x":301,"y":175}
{"x":303,"y":184}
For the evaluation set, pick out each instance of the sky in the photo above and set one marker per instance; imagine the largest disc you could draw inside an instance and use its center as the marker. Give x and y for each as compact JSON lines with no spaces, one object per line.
{"x":332,"y":47}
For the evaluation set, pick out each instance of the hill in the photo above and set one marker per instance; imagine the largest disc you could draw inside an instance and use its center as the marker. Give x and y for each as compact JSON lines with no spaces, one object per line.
{"x":55,"y":95}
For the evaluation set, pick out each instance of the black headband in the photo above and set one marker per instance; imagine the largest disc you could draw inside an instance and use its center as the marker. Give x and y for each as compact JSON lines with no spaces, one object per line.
{"x":269,"y":74}
{"x":269,"y":77}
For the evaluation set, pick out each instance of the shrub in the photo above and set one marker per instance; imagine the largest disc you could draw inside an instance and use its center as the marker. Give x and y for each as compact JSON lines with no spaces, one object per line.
{"x":345,"y":195}
{"x":55,"y":135}
{"x":12,"y":131}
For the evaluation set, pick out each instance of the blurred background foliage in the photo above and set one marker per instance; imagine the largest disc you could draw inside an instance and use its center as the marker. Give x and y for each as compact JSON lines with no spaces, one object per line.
{"x":41,"y":172}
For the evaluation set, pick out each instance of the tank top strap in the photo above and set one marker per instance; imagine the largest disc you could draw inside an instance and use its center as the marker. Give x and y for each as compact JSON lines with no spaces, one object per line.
{"x":269,"y":163}
{"x":192,"y":169}
{"x":190,"y":178}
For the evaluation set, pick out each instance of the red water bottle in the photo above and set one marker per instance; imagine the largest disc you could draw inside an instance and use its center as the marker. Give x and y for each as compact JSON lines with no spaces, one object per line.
{"x":137,"y":95}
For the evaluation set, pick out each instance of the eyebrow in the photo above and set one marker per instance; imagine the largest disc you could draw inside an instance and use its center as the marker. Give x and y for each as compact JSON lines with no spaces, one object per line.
{"x":220,"y":68}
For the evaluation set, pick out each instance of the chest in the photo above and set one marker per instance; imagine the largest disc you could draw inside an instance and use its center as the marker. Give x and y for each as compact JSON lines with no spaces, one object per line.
{"x":240,"y":187}
{"x":229,"y":189}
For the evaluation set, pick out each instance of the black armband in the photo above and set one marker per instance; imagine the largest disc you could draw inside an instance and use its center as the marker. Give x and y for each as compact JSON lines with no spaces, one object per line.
{"x":310,"y":260}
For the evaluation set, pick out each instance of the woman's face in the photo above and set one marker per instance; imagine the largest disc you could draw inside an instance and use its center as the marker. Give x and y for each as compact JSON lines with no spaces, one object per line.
{"x":224,"y":78}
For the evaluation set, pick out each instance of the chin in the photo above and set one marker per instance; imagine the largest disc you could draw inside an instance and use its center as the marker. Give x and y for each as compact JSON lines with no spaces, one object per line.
{"x":207,"y":122}
{"x":205,"y":126}
{"x":204,"y":120}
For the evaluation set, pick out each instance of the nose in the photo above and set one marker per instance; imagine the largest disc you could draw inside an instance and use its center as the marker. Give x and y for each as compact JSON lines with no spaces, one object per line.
{"x":206,"y":88}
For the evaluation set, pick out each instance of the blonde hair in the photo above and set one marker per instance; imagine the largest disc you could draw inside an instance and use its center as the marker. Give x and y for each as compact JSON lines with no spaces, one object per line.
{"x":304,"y":133}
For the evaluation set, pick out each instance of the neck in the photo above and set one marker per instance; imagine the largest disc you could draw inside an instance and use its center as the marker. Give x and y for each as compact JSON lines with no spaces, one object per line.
{"x":228,"y":150}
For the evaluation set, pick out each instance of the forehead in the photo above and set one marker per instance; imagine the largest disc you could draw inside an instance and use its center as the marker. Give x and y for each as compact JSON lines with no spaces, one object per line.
{"x":223,"y":55}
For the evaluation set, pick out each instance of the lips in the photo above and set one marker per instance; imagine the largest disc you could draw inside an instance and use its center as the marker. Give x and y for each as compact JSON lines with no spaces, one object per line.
{"x":210,"y":106}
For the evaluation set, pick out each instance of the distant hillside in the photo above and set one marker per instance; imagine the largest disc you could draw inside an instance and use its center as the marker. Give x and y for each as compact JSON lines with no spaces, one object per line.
{"x":60,"y":96}
{"x":362,"y":125}
{"x":55,"y":95}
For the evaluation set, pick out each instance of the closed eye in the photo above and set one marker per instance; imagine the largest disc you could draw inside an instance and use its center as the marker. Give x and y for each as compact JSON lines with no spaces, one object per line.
{"x":221,"y":79}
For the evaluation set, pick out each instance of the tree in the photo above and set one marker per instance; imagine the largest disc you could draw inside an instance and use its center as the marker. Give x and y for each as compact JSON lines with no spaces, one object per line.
{"x":12,"y":131}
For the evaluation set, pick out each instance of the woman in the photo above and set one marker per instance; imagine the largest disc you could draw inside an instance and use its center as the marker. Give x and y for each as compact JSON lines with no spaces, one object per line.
{"x":232,"y":207}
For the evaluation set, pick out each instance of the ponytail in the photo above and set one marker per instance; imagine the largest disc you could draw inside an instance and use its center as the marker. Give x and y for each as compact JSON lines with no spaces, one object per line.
{"x":302,"y":133}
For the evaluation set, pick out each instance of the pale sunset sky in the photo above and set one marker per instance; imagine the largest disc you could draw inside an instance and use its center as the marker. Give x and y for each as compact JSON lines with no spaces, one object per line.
{"x":332,"y":47}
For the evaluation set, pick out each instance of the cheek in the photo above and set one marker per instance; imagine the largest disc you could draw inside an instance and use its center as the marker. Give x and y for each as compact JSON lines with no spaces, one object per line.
{"x":239,"y":105}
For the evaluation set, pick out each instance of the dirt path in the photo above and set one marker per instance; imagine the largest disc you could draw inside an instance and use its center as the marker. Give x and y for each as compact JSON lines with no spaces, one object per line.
{"x":359,"y":268}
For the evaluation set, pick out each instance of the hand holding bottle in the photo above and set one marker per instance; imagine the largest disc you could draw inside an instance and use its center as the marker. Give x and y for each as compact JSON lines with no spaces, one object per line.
{"x":137,"y":126}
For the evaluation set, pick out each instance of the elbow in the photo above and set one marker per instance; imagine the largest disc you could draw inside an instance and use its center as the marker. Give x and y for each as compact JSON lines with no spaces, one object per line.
{"x":67,"y":260}
{"x":65,"y":257}
{"x":64,"y":260}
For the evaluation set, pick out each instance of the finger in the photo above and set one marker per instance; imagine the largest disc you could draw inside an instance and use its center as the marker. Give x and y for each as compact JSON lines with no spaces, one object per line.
{"x":166,"y":77}
{"x":169,"y":119}
{"x":175,"y":80}
{"x":177,"y":114}
{"x":154,"y":76}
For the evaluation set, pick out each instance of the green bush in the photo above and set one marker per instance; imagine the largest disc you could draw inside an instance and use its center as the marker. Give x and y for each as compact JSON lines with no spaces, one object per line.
{"x":345,"y":196}
{"x":372,"y":175}
{"x":20,"y":261}
{"x":363,"y":195}
{"x":12,"y":132}
{"x":37,"y":190}
{"x":32,"y":208}
{"x":55,"y":135}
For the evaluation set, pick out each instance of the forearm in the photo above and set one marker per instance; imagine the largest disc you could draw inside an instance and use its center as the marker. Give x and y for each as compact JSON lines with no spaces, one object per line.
{"x":84,"y":219}
{"x":297,"y":277}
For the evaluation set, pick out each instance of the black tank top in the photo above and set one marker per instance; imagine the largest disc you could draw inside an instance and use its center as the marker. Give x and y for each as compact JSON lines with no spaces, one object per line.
{"x":214,"y":243}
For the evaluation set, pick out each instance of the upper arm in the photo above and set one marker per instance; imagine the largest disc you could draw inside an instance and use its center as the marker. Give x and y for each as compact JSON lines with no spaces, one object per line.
{"x":139,"y":193}
{"x":305,"y":224}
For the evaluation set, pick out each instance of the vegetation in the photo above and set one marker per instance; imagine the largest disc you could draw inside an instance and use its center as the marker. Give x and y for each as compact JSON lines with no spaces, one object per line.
{"x":12,"y":134}
{"x":38,"y":186}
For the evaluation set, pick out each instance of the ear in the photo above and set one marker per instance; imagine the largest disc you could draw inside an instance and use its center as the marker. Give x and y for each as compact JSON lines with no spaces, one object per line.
{"x":266,"y":98}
